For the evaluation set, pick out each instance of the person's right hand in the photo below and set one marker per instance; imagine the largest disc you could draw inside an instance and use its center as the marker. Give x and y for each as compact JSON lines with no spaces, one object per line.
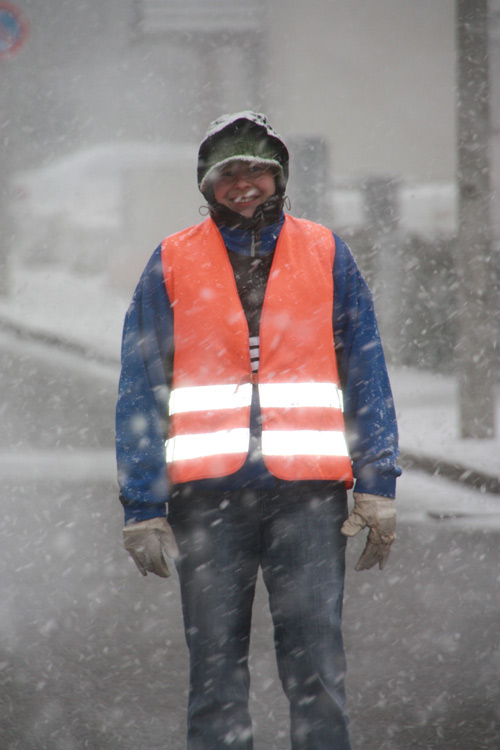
{"x":148,"y":543}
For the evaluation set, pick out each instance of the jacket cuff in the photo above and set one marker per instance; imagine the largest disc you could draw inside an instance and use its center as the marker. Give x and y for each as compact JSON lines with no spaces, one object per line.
{"x":377,"y":485}
{"x":136,"y":514}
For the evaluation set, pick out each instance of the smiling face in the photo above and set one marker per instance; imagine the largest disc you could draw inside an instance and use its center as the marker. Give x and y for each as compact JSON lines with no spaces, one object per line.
{"x":242,"y":186}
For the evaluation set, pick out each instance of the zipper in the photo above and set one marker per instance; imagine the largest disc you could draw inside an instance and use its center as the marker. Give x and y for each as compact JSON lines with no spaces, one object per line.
{"x":255,"y":244}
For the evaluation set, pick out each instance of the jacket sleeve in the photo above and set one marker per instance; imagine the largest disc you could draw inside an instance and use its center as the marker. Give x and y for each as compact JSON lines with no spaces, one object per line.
{"x":142,"y":407}
{"x":369,"y":412}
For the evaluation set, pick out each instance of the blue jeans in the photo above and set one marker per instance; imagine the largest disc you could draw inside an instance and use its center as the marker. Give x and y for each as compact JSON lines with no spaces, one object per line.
{"x":293,"y":533}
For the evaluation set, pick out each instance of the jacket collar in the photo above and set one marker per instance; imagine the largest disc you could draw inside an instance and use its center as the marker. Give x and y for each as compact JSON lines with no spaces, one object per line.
{"x":241,"y":240}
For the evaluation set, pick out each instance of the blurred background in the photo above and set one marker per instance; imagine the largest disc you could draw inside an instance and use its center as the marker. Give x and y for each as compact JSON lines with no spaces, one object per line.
{"x":103,"y":106}
{"x":391,"y":110}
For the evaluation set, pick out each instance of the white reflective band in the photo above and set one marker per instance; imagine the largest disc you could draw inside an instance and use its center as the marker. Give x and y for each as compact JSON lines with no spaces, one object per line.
{"x":210,"y":398}
{"x":289,"y":395}
{"x":201,"y":445}
{"x":303,"y":443}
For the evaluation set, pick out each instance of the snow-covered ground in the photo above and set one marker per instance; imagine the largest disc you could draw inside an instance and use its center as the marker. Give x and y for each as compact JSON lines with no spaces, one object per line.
{"x":429,"y":421}
{"x":79,"y":309}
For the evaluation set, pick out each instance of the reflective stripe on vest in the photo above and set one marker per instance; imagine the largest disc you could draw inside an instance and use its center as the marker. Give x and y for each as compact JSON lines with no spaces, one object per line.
{"x":203,"y":400}
{"x":301,"y":403}
{"x":233,"y":395}
{"x":206,"y":444}
{"x":303,"y":443}
{"x":206,"y":398}
{"x":290,"y":395}
{"x":209,"y":397}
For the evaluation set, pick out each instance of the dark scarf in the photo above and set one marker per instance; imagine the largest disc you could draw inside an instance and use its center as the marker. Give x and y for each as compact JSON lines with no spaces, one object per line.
{"x":267,"y":213}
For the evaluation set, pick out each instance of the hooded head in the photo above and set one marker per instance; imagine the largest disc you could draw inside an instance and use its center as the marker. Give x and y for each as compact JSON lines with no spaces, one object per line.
{"x":244,"y":136}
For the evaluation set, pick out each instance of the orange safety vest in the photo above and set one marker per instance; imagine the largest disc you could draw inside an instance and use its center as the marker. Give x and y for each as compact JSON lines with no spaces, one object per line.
{"x":303,"y":434}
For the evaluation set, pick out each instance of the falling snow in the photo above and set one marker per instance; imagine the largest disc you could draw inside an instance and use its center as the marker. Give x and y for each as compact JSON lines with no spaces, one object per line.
{"x":100,"y":118}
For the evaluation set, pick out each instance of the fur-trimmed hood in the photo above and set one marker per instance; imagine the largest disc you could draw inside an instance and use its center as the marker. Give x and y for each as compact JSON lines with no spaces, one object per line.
{"x":246,"y":136}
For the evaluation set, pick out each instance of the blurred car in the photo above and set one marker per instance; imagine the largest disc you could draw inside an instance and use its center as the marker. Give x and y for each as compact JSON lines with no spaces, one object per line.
{"x":105,"y":206}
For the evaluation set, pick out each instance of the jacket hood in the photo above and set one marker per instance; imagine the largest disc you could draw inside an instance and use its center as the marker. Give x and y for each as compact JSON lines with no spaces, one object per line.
{"x":245,"y":136}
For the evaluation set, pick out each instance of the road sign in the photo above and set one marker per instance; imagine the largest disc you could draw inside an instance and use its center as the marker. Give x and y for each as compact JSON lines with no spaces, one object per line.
{"x":13,"y":29}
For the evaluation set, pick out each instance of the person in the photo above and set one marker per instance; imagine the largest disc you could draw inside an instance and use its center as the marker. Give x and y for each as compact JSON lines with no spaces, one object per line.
{"x":253,"y":394}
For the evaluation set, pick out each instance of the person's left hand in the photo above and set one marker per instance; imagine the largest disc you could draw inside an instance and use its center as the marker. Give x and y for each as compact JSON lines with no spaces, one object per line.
{"x":379,"y":514}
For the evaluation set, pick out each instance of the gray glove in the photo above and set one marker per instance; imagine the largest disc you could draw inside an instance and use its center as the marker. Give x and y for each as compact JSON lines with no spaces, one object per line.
{"x":379,"y":514}
{"x":148,"y":542}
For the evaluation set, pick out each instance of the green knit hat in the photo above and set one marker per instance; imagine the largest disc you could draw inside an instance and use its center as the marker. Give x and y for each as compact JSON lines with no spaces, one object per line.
{"x":246,"y":136}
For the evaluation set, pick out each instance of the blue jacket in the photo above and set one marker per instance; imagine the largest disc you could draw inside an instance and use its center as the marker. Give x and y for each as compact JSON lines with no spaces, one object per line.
{"x":147,"y":356}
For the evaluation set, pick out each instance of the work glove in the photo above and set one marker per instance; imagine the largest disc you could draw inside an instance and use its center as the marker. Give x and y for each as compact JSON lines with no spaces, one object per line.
{"x":148,"y":543}
{"x":379,"y":514}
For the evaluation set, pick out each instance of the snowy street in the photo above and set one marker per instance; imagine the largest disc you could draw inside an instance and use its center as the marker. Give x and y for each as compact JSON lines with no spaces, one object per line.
{"x":124,"y":124}
{"x":93,"y":655}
